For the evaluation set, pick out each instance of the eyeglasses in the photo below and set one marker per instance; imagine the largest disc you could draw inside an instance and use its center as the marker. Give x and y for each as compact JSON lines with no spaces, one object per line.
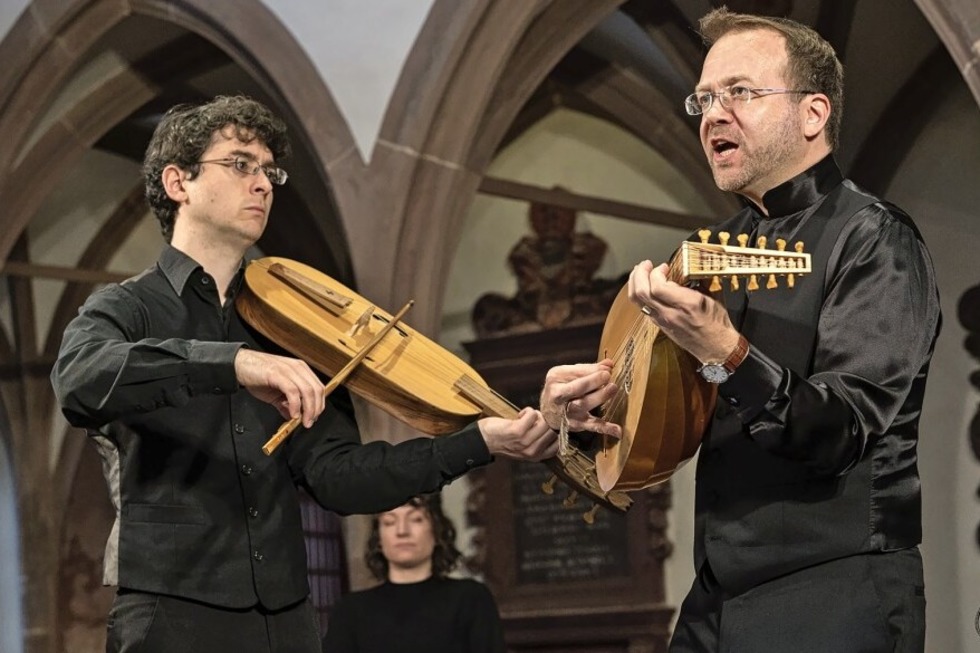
{"x":700,"y":102}
{"x":246,"y":166}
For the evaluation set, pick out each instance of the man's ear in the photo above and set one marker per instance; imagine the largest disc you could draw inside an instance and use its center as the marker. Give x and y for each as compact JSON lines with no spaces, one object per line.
{"x":816,"y":113}
{"x":173,"y":183}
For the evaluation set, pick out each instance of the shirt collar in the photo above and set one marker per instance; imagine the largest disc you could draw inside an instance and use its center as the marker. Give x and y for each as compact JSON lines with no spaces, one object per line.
{"x":804,"y":189}
{"x":178,"y":268}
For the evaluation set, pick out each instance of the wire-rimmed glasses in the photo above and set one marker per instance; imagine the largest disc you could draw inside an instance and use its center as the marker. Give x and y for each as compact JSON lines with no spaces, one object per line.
{"x":247,"y":166}
{"x":700,"y":102}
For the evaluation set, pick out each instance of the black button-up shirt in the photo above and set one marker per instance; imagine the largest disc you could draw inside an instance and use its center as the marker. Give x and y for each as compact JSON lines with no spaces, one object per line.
{"x":147,"y":368}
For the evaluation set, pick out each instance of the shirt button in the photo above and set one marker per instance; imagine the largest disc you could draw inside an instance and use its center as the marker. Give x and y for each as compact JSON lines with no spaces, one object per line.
{"x":239,"y":429}
{"x":253,"y":513}
{"x":216,"y":390}
{"x":246,"y":470}
{"x":733,"y":401}
{"x":257,"y":556}
{"x":470,"y":462}
{"x":205,"y":280}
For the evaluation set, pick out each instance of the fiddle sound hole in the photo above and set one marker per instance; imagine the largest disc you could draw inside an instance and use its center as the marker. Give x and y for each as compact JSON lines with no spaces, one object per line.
{"x":397,"y":328}
{"x":344,"y":343}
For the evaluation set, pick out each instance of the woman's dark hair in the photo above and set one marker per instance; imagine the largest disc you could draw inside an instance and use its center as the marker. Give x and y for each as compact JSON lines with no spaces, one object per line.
{"x":445,"y":555}
{"x":186,"y":131}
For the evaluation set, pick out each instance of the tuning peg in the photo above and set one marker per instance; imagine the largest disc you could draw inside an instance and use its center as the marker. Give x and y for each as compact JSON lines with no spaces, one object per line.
{"x":548,"y":487}
{"x":771,"y":281}
{"x":589,"y":517}
{"x":704,"y":235}
{"x":799,"y":250}
{"x":790,"y":277}
{"x":743,"y":241}
{"x":760,"y":243}
{"x":715,"y":285}
{"x":570,"y":499}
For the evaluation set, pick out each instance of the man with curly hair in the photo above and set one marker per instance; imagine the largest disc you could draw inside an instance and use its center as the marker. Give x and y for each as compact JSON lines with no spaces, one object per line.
{"x":417,"y":608}
{"x":807,"y":504}
{"x":179,"y":395}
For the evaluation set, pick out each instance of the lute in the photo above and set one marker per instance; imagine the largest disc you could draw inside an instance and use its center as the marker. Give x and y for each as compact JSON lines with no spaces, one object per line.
{"x":662,"y":403}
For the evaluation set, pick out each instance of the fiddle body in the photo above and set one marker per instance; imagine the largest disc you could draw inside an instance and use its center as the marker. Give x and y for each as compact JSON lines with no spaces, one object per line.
{"x":414,"y":379}
{"x":405,"y":374}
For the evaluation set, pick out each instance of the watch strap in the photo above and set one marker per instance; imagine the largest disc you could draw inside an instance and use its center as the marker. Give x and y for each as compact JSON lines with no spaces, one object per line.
{"x":738,"y":354}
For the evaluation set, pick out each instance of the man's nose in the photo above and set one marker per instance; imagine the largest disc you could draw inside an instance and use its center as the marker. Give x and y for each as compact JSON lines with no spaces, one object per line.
{"x":261,"y":182}
{"x":716,"y":111}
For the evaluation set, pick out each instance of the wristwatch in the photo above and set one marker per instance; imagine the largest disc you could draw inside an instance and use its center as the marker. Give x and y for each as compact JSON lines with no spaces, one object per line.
{"x":721,"y":372}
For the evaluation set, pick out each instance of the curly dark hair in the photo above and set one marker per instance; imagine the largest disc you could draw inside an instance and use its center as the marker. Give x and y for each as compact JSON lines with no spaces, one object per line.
{"x":445,"y":555}
{"x":186,"y":131}
{"x":813,"y":64}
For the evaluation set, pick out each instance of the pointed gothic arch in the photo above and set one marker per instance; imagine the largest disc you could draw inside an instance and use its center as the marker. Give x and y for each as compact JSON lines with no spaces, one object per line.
{"x":47,"y":131}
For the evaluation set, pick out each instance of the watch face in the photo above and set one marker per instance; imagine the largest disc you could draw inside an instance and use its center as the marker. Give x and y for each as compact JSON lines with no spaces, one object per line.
{"x":714,"y":373}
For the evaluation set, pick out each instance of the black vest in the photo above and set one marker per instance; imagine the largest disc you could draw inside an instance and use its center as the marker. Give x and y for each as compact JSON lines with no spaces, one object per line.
{"x":759,"y":516}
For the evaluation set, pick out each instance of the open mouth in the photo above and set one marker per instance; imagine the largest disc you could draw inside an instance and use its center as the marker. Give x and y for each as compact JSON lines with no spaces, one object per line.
{"x":723,"y":147}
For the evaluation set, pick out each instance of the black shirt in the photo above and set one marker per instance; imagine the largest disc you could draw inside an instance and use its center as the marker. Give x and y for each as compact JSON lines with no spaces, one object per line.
{"x":432,"y":616}
{"x":147,"y":368}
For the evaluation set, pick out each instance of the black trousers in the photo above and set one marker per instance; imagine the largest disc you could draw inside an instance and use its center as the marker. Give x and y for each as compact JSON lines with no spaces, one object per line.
{"x":869,"y":603}
{"x":151,"y":623}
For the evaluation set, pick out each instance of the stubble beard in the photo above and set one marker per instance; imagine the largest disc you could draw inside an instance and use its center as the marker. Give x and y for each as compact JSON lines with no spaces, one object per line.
{"x":777,"y":152}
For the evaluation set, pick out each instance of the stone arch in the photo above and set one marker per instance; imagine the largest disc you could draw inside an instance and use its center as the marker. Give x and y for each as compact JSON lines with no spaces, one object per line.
{"x":472,"y":69}
{"x":41,"y":53}
{"x":957,"y":23}
{"x":61,"y":35}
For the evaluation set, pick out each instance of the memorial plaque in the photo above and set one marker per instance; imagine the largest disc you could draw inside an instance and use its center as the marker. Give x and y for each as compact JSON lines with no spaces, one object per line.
{"x":554,"y":544}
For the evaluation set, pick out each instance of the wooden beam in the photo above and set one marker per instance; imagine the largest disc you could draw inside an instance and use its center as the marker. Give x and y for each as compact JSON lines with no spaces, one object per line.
{"x":562,"y":198}
{"x":19,"y":269}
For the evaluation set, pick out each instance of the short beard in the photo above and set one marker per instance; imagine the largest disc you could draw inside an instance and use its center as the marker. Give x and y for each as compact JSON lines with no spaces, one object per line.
{"x":778,"y":151}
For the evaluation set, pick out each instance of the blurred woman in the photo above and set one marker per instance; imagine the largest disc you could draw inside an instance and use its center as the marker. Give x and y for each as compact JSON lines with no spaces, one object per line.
{"x":417,"y":608}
